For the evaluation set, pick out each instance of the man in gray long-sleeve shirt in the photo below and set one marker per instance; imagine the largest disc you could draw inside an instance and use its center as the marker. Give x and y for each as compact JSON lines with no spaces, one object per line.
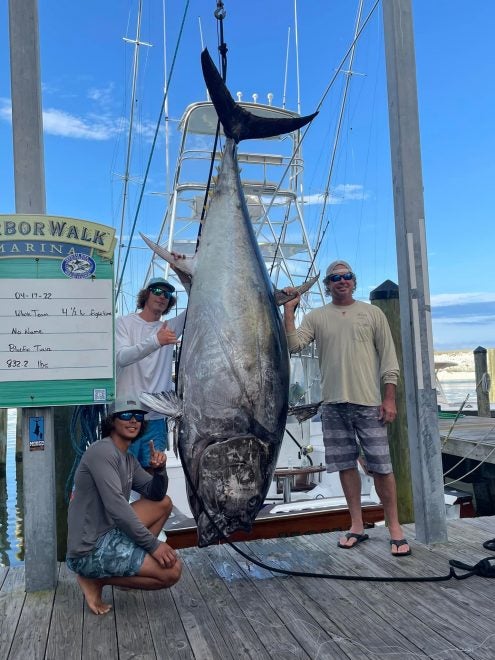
{"x":109,"y":540}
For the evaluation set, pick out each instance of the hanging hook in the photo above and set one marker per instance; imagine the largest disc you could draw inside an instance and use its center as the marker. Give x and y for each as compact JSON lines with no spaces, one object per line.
{"x":220,"y":12}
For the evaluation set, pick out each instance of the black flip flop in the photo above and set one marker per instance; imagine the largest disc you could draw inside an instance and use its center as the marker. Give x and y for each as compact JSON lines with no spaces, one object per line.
{"x":360,"y":538}
{"x":398,"y":543}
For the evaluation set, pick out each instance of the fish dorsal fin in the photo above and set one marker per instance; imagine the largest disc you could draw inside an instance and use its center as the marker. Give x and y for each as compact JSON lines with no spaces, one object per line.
{"x":281,"y":297}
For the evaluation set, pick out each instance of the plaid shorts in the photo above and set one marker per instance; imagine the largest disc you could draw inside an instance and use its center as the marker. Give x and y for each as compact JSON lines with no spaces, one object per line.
{"x":347,"y":427}
{"x":115,"y":555}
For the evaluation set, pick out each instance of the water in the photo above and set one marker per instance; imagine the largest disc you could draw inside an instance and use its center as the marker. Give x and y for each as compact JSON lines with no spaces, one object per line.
{"x":11,"y":503}
{"x":456,"y":390}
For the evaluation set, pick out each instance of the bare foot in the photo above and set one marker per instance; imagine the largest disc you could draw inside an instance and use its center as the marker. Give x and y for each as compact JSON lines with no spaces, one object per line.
{"x":92,"y":593}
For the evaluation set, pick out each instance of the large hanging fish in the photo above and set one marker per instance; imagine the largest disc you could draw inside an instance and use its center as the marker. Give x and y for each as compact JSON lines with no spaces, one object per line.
{"x":233,"y":376}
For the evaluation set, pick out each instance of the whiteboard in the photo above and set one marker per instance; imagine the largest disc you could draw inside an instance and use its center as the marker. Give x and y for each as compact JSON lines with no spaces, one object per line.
{"x":56,"y":329}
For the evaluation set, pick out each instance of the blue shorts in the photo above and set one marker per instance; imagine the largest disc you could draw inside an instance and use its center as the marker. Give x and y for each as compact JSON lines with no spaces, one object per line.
{"x":347,"y":427}
{"x":156,"y":430}
{"x":115,"y":555}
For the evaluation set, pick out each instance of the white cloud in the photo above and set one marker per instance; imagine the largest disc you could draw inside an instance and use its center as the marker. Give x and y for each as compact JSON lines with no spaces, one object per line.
{"x":447,"y":299}
{"x":344,"y":192}
{"x":58,"y":122}
{"x":90,"y":127}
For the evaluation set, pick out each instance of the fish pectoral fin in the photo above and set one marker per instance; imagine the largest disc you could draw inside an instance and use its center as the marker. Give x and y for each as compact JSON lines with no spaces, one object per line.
{"x":281,"y":297}
{"x":166,"y":403}
{"x":184,"y":266}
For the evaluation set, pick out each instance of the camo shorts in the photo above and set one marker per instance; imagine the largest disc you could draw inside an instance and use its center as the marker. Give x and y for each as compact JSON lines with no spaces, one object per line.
{"x":115,"y":555}
{"x":347,"y":428}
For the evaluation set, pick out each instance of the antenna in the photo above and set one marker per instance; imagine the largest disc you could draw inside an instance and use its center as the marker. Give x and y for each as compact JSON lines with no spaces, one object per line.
{"x":286,"y":66}
{"x":137,"y":42}
{"x":202,"y":49}
{"x":297,"y":59}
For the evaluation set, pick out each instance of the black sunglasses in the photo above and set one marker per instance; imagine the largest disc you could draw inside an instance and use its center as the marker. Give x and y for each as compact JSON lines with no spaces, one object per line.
{"x":158,"y":291}
{"x":337,"y":278}
{"x":127,"y":416}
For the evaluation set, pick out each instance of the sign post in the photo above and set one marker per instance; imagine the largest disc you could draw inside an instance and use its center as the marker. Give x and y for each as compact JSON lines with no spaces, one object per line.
{"x":56,"y":349}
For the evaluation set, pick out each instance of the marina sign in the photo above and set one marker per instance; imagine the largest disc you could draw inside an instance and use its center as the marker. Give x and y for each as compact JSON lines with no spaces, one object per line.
{"x":57,"y":311}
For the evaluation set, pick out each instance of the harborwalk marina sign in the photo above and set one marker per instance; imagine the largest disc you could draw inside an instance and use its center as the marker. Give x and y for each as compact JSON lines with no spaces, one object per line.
{"x":57,"y":311}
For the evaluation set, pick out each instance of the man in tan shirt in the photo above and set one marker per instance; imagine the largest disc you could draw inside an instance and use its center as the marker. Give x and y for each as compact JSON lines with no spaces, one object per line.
{"x":356,"y":354}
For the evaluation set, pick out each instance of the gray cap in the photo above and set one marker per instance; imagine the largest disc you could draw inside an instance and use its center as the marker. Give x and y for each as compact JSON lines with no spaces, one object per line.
{"x":159,"y":281}
{"x":126,"y":404}
{"x":338,"y":262}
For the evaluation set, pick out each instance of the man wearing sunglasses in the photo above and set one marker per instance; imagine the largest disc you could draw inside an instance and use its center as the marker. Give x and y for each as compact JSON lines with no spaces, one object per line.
{"x":356,"y":354}
{"x":111,"y":541}
{"x":144,"y":345}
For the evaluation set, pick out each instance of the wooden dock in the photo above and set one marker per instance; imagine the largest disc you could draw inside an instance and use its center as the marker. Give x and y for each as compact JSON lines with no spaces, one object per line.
{"x":226,"y":607}
{"x":471,"y":436}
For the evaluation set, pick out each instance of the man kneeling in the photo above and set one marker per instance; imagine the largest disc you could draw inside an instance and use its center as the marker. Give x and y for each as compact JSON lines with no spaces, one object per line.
{"x":109,"y":540}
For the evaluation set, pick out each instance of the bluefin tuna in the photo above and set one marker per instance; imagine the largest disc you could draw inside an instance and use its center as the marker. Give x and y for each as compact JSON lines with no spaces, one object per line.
{"x":233,"y":375}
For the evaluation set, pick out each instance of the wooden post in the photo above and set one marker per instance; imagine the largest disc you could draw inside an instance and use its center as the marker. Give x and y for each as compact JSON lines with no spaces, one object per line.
{"x":386,"y":297}
{"x":18,"y":436}
{"x":29,"y":174}
{"x":482,"y":384}
{"x":491,"y":373}
{"x":3,"y":442}
{"x":412,"y":270}
{"x":64,"y":459}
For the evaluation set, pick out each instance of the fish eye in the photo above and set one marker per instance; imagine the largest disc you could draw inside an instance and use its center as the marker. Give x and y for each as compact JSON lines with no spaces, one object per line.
{"x":252,"y":502}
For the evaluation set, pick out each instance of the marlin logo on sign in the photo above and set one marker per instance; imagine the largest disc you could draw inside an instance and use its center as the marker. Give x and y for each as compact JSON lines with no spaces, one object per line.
{"x":78,"y":266}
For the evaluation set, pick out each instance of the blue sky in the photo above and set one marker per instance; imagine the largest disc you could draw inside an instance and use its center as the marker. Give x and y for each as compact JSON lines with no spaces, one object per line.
{"x":86,"y":80}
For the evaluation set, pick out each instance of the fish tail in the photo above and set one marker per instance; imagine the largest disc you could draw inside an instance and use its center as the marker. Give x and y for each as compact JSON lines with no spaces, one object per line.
{"x":238,"y":123}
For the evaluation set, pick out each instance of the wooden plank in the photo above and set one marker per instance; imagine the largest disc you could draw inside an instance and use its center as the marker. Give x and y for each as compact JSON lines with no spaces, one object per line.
{"x":436,"y":605}
{"x":400,"y":604}
{"x":65,"y":635}
{"x":269,"y":624}
{"x":99,"y":632}
{"x":12,"y":597}
{"x":32,"y":630}
{"x":473,"y":437}
{"x":204,"y":637}
{"x":363,"y":631}
{"x":168,"y":634}
{"x":133,"y":633}
{"x":233,"y":624}
{"x":3,"y":574}
{"x":314,"y":633}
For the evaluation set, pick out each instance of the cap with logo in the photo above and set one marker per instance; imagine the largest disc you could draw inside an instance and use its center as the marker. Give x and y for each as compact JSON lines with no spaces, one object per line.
{"x":125,"y":404}
{"x":159,"y":281}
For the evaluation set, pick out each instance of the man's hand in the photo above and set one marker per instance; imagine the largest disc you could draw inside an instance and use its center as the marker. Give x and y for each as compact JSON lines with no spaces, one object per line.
{"x":165,"y":555}
{"x":388,"y":411}
{"x":166,"y":335}
{"x":291,"y":305}
{"x":157,"y":458}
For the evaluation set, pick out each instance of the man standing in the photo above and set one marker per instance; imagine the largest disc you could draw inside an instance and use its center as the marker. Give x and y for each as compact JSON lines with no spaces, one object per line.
{"x":109,"y":540}
{"x":144,"y":347}
{"x":356,"y":353}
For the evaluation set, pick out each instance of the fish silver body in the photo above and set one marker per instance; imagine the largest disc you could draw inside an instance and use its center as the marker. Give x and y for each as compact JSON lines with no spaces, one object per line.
{"x":233,"y":375}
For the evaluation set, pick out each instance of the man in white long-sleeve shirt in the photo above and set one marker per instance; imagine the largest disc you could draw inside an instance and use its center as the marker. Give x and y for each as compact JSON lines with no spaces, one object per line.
{"x":356,"y":353}
{"x":144,"y":346}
